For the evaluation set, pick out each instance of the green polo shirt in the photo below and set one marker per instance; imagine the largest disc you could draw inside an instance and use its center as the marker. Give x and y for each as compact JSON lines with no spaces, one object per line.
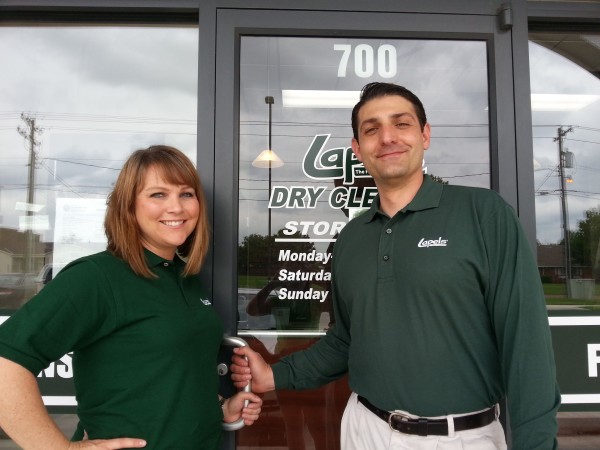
{"x":439,"y":310}
{"x":145,"y":350}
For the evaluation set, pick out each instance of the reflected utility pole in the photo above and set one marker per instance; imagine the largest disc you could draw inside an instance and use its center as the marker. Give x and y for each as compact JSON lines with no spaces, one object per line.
{"x":268,"y":159}
{"x":563,"y":199}
{"x":29,"y":134}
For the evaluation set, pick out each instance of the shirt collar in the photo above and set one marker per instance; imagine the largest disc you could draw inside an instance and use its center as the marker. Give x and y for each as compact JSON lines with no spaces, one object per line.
{"x":427,"y":197}
{"x":154,"y":260}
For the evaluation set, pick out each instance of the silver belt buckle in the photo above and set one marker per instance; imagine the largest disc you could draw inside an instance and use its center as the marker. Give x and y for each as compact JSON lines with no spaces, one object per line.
{"x":403,"y":418}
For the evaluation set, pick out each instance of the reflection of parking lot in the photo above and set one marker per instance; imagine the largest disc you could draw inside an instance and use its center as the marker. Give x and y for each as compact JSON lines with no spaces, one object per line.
{"x":16,"y":289}
{"x":47,"y":273}
{"x":247,"y":322}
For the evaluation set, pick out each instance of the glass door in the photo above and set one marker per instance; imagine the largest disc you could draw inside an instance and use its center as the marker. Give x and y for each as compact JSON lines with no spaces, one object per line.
{"x":283,"y":137}
{"x":566,"y":139}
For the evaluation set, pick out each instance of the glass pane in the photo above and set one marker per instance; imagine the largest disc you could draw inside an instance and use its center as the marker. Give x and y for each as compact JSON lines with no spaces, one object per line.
{"x":76,"y":101}
{"x":566,"y":138}
{"x":296,"y":97}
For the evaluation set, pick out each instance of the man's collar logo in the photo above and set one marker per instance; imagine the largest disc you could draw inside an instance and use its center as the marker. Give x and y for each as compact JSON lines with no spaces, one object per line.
{"x":426,"y":243}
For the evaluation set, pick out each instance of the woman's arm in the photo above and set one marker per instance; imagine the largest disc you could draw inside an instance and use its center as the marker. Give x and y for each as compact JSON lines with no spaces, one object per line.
{"x":23,"y":415}
{"x":25,"y":419}
{"x":234,"y":409}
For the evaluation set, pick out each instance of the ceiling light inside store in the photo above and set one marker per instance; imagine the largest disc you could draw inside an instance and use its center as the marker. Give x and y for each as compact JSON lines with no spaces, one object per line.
{"x":297,"y":98}
{"x":319,"y":99}
{"x":267,"y":159}
{"x":561,"y":102}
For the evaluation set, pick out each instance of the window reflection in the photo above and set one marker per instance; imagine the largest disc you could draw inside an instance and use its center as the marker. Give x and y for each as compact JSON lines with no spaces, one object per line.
{"x":76,"y":101}
{"x":290,"y":215}
{"x":72,"y":110}
{"x":566,"y":106}
{"x":300,"y":203}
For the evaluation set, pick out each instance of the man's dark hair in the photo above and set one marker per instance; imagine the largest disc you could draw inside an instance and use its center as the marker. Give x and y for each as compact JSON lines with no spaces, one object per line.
{"x":378,"y":89}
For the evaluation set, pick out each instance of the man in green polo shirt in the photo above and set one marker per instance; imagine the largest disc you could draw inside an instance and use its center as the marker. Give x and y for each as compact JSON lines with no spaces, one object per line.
{"x":439,"y":308}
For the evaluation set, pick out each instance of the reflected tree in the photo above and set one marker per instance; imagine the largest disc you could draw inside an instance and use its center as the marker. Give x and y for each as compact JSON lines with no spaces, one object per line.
{"x":257,"y":253}
{"x":585,"y":241}
{"x":438,"y":179}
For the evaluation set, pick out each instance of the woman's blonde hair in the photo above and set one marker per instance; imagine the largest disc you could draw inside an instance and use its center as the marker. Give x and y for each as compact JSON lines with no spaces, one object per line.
{"x":120,"y":223}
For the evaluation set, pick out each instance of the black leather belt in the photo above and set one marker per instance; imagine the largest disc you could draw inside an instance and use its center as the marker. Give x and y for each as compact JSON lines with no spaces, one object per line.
{"x":424,"y":427}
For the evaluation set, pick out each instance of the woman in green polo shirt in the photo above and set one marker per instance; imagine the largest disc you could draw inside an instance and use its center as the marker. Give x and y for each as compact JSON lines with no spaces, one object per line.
{"x":142,"y":331}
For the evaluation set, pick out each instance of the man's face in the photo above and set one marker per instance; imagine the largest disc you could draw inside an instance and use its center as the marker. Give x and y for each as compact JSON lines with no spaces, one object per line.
{"x":390,"y":141}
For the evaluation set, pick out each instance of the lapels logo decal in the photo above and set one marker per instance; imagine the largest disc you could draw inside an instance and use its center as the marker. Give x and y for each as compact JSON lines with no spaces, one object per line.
{"x":205,"y":301}
{"x":439,"y":242}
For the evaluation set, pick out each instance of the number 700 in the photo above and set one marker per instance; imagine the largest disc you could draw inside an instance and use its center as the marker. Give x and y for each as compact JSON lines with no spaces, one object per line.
{"x":364,"y":60}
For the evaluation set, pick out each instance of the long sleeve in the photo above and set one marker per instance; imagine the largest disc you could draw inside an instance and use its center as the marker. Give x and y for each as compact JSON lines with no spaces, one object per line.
{"x":325,"y":361}
{"x":517,"y":308}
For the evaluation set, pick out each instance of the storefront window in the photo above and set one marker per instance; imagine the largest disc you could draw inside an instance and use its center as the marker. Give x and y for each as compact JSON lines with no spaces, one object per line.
{"x":76,"y":101}
{"x":566,"y":140}
{"x":296,"y":97}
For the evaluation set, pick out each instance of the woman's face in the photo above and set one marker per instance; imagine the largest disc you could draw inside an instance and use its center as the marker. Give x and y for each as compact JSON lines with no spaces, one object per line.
{"x":166,"y":213}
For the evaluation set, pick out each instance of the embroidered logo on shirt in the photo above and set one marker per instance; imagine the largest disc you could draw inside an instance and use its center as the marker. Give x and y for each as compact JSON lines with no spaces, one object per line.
{"x":205,"y":301}
{"x":439,"y":242}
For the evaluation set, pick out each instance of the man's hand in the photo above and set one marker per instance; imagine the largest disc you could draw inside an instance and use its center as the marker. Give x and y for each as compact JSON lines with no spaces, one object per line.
{"x":253,"y":368}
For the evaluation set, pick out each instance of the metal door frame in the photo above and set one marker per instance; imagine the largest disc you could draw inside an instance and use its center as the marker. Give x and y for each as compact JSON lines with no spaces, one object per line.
{"x":231,"y":24}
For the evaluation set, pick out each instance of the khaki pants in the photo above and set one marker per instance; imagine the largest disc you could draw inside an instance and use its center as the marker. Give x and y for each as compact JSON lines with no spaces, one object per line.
{"x":363,"y":430}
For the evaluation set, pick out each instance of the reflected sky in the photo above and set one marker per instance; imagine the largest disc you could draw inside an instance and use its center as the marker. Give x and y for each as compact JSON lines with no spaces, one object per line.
{"x":96,"y":94}
{"x":450,"y":77}
{"x":555,"y":74}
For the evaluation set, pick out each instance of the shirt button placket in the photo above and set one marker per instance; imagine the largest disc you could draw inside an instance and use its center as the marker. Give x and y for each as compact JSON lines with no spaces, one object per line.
{"x":386,"y":246}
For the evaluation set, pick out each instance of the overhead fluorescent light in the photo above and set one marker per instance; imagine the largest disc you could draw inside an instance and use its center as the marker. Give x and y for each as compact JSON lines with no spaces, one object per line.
{"x":298,"y":98}
{"x":561,"y":102}
{"x":293,"y":98}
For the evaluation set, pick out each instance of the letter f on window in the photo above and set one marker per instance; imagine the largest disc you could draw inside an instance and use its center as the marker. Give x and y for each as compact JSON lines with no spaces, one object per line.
{"x":593,"y":359}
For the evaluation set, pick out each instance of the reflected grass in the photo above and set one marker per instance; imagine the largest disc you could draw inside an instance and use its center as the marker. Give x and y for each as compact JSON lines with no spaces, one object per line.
{"x":556,"y":294}
{"x":252,"y":281}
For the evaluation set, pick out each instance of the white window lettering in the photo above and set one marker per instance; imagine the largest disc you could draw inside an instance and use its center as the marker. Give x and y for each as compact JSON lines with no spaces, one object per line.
{"x":63,"y":368}
{"x":343,"y":67}
{"x":363,"y":61}
{"x":386,"y":61}
{"x":593,"y":359}
{"x":48,"y":371}
{"x":321,"y":228}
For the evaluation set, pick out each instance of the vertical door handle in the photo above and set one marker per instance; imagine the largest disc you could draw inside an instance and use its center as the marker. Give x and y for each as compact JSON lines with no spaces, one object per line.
{"x":223,"y":369}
